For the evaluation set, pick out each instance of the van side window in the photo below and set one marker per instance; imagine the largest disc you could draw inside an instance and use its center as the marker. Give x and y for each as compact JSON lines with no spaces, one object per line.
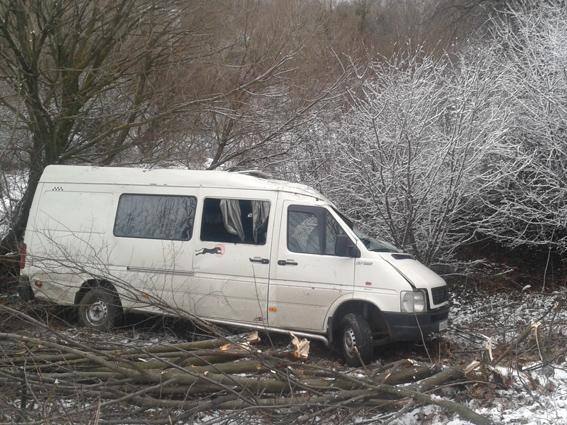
{"x":155,"y":217}
{"x":332,"y":230}
{"x":235,"y":220}
{"x":312,"y":230}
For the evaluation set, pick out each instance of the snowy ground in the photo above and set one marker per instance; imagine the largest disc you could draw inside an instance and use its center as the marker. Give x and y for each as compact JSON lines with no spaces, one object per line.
{"x":529,"y":389}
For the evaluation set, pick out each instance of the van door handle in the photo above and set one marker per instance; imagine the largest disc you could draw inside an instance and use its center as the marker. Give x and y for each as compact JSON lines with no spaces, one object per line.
{"x":287,"y":263}
{"x":259,"y":260}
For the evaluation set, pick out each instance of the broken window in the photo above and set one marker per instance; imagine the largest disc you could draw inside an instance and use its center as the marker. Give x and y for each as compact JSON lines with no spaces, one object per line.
{"x":235,"y":220}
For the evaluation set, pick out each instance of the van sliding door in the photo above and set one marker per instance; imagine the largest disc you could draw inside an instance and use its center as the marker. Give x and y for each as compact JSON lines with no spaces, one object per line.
{"x":232,"y":255}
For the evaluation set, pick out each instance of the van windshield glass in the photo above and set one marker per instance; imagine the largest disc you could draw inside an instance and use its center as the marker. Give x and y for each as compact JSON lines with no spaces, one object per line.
{"x":371,"y":244}
{"x":375,"y":245}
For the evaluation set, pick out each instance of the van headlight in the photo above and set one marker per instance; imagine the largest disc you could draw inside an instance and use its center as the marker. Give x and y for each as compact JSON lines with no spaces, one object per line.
{"x":413,"y":301}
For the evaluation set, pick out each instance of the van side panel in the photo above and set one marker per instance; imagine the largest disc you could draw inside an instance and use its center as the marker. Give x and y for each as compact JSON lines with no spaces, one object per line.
{"x":150,"y":272}
{"x":72,"y":240}
{"x":67,"y":237}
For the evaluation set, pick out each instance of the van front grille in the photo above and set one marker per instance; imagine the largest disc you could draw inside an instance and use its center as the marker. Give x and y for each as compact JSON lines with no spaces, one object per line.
{"x":439,"y":294}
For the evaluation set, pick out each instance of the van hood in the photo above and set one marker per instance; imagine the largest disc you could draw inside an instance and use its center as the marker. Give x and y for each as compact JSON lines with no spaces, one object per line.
{"x":416,"y":273}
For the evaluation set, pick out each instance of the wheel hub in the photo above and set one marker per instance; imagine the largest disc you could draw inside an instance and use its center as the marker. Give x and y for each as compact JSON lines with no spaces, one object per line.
{"x":349,"y":340}
{"x":97,"y":312}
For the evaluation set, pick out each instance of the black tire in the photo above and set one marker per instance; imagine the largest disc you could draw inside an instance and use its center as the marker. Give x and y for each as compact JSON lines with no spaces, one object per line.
{"x":25,"y":292}
{"x":355,"y":340}
{"x":100,"y":309}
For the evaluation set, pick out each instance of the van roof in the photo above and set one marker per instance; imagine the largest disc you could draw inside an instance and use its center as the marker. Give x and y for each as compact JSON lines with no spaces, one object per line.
{"x":169,"y":177}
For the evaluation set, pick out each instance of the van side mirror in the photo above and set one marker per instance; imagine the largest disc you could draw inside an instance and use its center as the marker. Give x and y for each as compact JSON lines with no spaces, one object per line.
{"x":345,"y":248}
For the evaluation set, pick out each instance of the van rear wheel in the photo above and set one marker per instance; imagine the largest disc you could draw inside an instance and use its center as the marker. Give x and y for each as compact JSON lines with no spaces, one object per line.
{"x":99,"y":309}
{"x":355,"y":340}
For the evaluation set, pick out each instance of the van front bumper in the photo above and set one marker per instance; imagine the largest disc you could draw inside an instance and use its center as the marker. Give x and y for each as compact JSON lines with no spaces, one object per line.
{"x":415,"y":326}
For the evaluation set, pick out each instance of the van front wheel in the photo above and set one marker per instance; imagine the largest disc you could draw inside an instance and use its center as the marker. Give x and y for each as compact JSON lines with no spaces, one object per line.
{"x":99,"y":309}
{"x":356,"y":340}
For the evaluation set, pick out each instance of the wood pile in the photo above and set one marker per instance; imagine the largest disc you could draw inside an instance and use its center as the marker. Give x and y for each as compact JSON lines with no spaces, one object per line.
{"x":220,"y":374}
{"x":8,"y":273}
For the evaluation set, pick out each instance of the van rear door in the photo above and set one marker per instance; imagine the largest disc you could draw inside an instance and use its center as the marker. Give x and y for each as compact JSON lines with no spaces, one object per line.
{"x":306,"y":275}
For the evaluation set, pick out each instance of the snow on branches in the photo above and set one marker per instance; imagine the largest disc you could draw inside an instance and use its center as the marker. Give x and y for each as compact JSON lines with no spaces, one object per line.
{"x":436,"y":150}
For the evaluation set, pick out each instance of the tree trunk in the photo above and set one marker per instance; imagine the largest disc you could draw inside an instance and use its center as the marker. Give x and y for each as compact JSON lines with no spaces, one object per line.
{"x":17,"y":229}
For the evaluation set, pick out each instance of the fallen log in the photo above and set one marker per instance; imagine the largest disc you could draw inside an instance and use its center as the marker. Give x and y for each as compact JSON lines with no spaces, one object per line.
{"x":235,"y":374}
{"x":355,"y":397}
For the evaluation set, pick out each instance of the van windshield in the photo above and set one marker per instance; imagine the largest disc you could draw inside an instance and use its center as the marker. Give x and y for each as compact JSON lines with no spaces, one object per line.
{"x":370,"y":243}
{"x":375,"y":245}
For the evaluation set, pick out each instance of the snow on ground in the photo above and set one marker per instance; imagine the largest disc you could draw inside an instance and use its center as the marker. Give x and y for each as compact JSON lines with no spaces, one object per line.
{"x":531,"y":392}
{"x":505,"y":311}
{"x":524,"y":390}
{"x":519,"y":404}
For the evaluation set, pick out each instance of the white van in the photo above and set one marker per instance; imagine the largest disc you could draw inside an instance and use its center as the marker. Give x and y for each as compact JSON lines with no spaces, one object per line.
{"x":231,"y":248}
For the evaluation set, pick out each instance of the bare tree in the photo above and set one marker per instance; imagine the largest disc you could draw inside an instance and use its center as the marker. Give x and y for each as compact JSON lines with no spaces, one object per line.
{"x":260,"y":42}
{"x":76,"y":75}
{"x":411,"y":158}
{"x":529,"y":207}
{"x":437,"y":151}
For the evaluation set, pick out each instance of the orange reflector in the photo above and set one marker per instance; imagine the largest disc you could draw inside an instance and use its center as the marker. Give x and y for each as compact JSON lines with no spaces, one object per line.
{"x":272,"y":309}
{"x":23,"y":252}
